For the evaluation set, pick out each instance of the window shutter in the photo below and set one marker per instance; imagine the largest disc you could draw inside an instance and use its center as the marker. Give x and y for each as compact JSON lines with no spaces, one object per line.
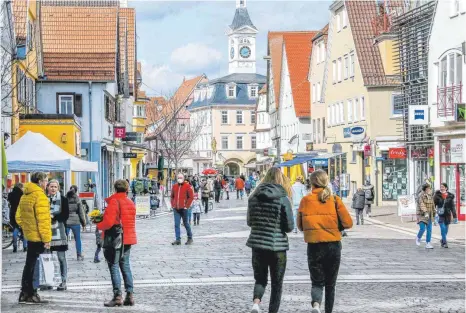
{"x":78,"y":105}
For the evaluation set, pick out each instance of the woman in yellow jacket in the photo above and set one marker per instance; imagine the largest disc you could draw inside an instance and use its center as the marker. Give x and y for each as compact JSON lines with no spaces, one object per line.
{"x":321,"y":217}
{"x":33,"y":216}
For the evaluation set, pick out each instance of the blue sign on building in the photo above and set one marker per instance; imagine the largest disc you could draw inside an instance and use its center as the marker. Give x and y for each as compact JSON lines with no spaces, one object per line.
{"x":419,"y":115}
{"x":358,"y":130}
{"x":347,"y":132}
{"x":320,"y":162}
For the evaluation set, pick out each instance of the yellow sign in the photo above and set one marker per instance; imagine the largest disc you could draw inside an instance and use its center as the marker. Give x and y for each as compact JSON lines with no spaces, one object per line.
{"x":288,"y":156}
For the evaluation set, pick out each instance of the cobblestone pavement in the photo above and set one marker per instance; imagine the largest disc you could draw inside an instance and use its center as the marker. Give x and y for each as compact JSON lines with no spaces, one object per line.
{"x":382,"y":271}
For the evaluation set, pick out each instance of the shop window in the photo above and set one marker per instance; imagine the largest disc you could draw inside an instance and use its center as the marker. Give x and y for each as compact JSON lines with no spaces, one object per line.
{"x":394,"y":178}
{"x":445,"y":152}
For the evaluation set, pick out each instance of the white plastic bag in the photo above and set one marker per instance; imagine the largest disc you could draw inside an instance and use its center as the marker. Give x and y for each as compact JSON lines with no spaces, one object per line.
{"x":49,"y":270}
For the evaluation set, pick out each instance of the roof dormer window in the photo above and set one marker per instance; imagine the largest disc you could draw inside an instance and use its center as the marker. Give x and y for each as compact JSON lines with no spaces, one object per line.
{"x":231,"y":90}
{"x":253,"y":91}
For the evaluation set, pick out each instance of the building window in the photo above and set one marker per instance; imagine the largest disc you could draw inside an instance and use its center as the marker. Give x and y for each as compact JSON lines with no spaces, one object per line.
{"x":239,"y":142}
{"x":318,"y":92}
{"x":318,"y":130}
{"x":324,"y":140}
{"x":356,"y":109}
{"x":65,"y":104}
{"x":231,"y":91}
{"x":253,"y":142}
{"x":224,"y":142}
{"x":239,"y":117}
{"x":337,"y":18}
{"x":224,"y":117}
{"x":346,"y":67}
{"x":317,"y":56}
{"x":363,"y":109}
{"x":253,"y":117}
{"x":350,"y":111}
{"x":455,"y":8}
{"x":313,"y":93}
{"x":139,"y":111}
{"x":334,"y":70}
{"x":354,"y":157}
{"x":352,"y":64}
{"x":329,"y":116}
{"x":313,"y":131}
{"x":30,"y":36}
{"x":397,"y":104}
{"x":342,"y":113}
{"x":339,"y":69}
{"x":322,"y":51}
{"x":253,"y":91}
{"x":345,"y":18}
{"x":334,"y":118}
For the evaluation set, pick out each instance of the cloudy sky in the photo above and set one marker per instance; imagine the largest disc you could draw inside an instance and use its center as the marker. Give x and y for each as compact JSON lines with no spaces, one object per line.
{"x":179,"y":39}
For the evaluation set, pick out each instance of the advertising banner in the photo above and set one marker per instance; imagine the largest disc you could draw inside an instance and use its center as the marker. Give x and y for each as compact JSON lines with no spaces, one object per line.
{"x":397,"y":153}
{"x":142,"y":205}
{"x":457,"y":150}
{"x":418,"y":115}
{"x":406,"y":205}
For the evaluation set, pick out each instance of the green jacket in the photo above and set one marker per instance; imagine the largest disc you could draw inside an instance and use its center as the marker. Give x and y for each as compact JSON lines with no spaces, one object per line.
{"x":270,"y":217}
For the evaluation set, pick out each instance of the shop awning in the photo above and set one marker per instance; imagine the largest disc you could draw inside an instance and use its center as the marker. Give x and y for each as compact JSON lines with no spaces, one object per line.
{"x":298,"y":160}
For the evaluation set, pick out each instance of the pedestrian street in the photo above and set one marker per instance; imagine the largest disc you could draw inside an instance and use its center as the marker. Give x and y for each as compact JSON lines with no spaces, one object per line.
{"x":382,"y":270}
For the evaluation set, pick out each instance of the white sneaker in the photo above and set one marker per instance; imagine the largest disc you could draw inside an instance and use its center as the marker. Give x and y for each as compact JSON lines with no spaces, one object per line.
{"x":429,"y":246}
{"x":418,"y":241}
{"x":256,"y":308}
{"x":316,"y":308}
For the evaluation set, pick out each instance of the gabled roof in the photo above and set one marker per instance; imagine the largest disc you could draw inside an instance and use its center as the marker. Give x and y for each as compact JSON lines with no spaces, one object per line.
{"x":323,"y":33}
{"x":298,"y":47}
{"x":360,"y":15}
{"x":186,"y":89}
{"x":79,"y":43}
{"x":127,"y":21}
{"x":275,"y":41}
{"x":241,"y":19}
{"x":152,"y":108}
{"x":20,"y":12}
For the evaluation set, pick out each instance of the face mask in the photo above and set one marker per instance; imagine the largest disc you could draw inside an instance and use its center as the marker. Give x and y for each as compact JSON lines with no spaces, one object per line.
{"x":180,"y":181}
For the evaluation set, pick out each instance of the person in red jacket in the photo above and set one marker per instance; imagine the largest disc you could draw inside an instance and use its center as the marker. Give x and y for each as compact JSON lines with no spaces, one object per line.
{"x":181,"y":198}
{"x":121,"y":208}
{"x":239,"y":186}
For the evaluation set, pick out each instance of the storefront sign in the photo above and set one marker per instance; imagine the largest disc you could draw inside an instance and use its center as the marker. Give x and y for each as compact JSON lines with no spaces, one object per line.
{"x":457,"y":150}
{"x":119,"y":131}
{"x":132,"y":136}
{"x":397,"y":153}
{"x":142,"y":205}
{"x":367,"y":150}
{"x":347,"y":132}
{"x":130,"y":155}
{"x":418,"y":115}
{"x":357,"y":133}
{"x":320,"y":162}
{"x":420,"y":153}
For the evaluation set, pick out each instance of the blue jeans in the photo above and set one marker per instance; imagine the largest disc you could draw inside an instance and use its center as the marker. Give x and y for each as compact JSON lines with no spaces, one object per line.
{"x":295,"y":214}
{"x":422,"y":229}
{"x":15,"y":239}
{"x":77,"y":236}
{"x":178,"y":215}
{"x":125,"y":268}
{"x":190,"y":215}
{"x":444,"y":231}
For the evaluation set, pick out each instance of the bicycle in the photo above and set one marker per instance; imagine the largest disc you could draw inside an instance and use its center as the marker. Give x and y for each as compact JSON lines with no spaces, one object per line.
{"x":7,"y":235}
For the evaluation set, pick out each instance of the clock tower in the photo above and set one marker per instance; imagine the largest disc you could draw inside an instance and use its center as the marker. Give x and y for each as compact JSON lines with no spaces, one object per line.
{"x":242,"y":41}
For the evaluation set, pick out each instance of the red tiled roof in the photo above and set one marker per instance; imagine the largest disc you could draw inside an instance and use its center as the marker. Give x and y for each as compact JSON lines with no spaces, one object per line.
{"x":79,"y":43}
{"x":298,"y":47}
{"x":127,"y":19}
{"x":151,"y":108}
{"x":360,"y":15}
{"x":276,"y":51}
{"x":20,"y":12}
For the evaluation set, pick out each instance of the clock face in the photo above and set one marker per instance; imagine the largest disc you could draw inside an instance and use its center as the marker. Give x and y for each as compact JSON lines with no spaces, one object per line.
{"x":232,"y":52}
{"x":245,"y":52}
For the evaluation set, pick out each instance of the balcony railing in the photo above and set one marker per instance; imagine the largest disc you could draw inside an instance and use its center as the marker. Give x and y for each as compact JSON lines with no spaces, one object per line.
{"x":447,"y":99}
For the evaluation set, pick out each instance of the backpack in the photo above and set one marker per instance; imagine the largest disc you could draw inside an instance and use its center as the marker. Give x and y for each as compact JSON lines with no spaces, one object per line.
{"x":369,"y":194}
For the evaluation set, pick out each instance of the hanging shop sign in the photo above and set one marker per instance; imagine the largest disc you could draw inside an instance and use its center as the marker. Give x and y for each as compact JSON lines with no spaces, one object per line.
{"x":119,"y":131}
{"x":130,"y":155}
{"x":367,"y":150}
{"x":457,"y":150}
{"x":309,"y":146}
{"x":397,"y":153}
{"x":133,"y":136}
{"x":357,"y":133}
{"x":347,"y":132}
{"x":418,"y":115}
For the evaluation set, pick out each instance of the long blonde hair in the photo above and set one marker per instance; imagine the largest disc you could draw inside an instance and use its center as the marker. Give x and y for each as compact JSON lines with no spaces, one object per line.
{"x":275,"y":176}
{"x":319,"y":179}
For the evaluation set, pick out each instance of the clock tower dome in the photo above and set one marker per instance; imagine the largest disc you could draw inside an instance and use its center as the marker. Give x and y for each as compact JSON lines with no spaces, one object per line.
{"x":242,"y":41}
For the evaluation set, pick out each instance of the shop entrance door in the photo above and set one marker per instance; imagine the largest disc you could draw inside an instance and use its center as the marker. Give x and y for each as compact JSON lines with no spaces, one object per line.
{"x":453,"y":175}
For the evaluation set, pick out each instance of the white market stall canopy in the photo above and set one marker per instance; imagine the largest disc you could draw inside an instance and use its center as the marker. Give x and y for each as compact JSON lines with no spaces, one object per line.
{"x":34,"y":152}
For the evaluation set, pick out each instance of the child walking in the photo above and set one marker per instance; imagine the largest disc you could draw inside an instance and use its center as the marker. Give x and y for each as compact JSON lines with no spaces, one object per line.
{"x":359,"y":201}
{"x":98,"y":242}
{"x":196,"y":206}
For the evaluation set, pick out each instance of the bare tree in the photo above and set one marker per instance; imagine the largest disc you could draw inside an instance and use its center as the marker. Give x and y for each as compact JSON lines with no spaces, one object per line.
{"x":174,"y":130}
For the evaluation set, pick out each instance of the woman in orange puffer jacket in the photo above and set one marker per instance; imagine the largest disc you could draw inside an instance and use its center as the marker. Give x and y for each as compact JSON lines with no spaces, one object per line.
{"x":321,"y":217}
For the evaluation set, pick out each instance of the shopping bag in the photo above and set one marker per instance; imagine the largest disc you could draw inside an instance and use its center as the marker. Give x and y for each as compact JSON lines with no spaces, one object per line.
{"x":49,"y":270}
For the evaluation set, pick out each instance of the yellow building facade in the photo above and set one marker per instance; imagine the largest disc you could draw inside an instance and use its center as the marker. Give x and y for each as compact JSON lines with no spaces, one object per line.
{"x":139,"y":126}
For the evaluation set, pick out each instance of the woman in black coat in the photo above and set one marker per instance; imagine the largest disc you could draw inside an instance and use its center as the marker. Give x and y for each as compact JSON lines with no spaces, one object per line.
{"x":445,"y":201}
{"x":13,"y":198}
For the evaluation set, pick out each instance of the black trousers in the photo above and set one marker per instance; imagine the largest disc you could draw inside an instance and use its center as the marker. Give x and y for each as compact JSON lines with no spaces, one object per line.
{"x":324,"y":263}
{"x":34,"y":250}
{"x":205,"y":202}
{"x":217,"y":195}
{"x":262,"y":260}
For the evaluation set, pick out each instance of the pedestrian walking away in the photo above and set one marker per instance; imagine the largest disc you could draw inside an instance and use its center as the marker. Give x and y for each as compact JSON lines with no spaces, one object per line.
{"x":425,"y":215}
{"x":205,"y":194}
{"x":76,"y":220}
{"x":299,"y":190}
{"x":445,"y":204}
{"x":120,"y":211}
{"x":196,"y":208}
{"x":322,"y":217}
{"x":181,"y":199}
{"x":14,"y":198}
{"x":270,"y":217}
{"x":248,"y":186}
{"x":217,"y":188}
{"x":359,"y":201}
{"x":239,"y":186}
{"x":369,"y":195}
{"x":33,"y":216}
{"x":59,"y":210}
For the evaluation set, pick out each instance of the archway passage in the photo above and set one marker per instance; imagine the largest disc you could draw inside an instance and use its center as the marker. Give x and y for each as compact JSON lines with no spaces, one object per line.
{"x":232,"y":169}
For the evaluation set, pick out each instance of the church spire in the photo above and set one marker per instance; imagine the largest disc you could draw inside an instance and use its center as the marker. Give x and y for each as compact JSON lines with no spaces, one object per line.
{"x":240,"y":3}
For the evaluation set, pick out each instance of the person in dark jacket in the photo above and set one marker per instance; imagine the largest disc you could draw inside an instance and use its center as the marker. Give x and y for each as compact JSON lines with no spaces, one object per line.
{"x":76,"y":219}
{"x":359,"y":201}
{"x":205,"y":194}
{"x":370,"y":195}
{"x":446,"y":200}
{"x":218,"y":188}
{"x":13,"y":198}
{"x":270,"y":217}
{"x":59,"y":210}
